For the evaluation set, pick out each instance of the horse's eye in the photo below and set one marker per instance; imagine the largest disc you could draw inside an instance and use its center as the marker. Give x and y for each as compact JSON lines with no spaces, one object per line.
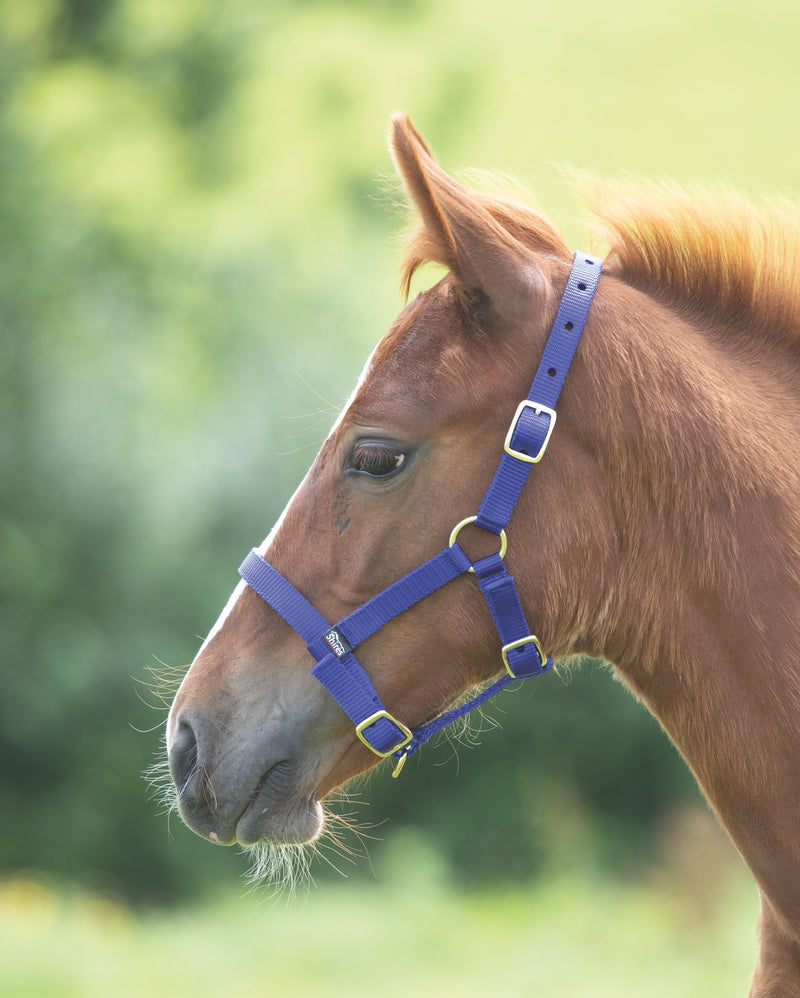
{"x":377,"y":460}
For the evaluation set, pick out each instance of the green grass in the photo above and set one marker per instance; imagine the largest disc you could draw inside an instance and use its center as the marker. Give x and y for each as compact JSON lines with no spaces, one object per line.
{"x":569,"y":937}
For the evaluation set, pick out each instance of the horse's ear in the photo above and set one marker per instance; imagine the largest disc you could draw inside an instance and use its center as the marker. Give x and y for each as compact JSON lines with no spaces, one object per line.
{"x":458,"y":231}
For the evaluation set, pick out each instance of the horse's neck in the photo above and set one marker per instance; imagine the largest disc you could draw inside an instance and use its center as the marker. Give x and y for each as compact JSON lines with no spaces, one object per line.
{"x":703,"y":482}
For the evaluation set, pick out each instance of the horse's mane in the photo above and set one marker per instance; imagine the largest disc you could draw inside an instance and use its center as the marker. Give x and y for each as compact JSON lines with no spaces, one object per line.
{"x":711,"y":254}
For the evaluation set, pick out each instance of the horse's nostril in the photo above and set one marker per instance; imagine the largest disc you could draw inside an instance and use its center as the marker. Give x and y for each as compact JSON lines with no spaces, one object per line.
{"x":183,"y":754}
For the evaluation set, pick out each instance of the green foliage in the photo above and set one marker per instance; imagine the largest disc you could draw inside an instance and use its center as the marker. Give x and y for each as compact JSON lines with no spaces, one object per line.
{"x":195,"y":261}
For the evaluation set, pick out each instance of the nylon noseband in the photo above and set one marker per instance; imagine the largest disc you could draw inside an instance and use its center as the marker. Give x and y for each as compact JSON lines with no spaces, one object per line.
{"x":332,"y":646}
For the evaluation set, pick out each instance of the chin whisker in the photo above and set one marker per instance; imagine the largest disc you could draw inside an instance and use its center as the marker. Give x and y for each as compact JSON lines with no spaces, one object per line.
{"x":282,"y":869}
{"x":285,"y":869}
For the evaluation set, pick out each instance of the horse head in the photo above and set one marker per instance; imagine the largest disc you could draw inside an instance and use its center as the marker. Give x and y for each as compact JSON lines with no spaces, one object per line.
{"x":255,"y":743}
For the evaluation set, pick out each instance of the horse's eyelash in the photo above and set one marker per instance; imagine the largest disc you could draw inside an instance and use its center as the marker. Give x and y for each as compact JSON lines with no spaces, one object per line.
{"x":377,"y":460}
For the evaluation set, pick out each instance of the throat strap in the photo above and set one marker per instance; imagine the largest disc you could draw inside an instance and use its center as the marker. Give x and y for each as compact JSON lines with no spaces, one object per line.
{"x":332,"y":646}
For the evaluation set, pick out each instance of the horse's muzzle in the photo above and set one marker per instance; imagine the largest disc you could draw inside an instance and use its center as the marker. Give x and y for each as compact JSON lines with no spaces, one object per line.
{"x":228,"y":791}
{"x":197,"y":798}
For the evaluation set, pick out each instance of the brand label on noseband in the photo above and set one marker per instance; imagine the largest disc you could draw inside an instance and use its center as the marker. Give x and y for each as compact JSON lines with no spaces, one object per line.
{"x":337,"y":643}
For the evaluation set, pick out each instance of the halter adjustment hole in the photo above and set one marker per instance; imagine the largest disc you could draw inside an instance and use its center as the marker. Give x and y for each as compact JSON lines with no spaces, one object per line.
{"x":569,"y":326}
{"x":581,"y":286}
{"x":551,"y":372}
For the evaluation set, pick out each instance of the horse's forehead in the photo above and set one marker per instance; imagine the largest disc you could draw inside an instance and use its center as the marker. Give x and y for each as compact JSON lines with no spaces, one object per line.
{"x":421,"y":347}
{"x":425,"y":325}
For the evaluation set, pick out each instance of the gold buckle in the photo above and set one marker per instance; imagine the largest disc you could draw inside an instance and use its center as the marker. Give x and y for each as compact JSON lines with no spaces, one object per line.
{"x":471,"y":519}
{"x":531,"y":639}
{"x":538,"y":408}
{"x":369,"y":721}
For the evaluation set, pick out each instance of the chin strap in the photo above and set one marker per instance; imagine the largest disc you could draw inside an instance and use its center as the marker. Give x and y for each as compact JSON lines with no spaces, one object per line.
{"x":332,"y":646}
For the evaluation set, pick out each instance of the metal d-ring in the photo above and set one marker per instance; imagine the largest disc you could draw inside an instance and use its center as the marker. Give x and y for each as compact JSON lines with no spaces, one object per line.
{"x":471,"y":519}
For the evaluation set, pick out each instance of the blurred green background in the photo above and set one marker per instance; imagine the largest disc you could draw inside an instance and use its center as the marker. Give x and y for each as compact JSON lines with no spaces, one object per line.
{"x":197,"y":256}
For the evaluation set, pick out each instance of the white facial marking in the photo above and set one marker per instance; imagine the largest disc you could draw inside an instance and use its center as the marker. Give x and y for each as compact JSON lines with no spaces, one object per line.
{"x":264,"y":547}
{"x":242,"y":585}
{"x":237,"y":592}
{"x":361,"y":379}
{"x":232,"y":601}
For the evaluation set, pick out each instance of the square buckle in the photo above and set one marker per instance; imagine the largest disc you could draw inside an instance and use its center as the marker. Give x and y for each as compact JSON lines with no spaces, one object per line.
{"x":538,"y":409}
{"x":405,"y":734}
{"x":531,"y":639}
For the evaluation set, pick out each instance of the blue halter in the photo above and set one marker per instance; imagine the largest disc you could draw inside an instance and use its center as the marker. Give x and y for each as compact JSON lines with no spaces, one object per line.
{"x":337,"y":668}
